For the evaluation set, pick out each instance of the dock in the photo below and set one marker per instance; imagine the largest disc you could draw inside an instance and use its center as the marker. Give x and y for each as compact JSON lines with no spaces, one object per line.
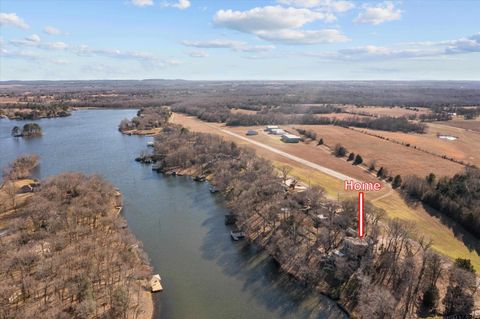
{"x":156,"y":283}
{"x":237,"y":234}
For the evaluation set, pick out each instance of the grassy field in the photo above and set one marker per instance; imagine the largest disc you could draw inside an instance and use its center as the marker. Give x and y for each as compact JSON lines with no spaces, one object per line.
{"x":399,"y":159}
{"x":466,"y":148}
{"x":473,"y":125}
{"x":387,"y":111}
{"x":444,"y":240}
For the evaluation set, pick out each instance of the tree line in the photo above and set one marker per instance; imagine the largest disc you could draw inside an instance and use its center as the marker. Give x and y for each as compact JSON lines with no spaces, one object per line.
{"x":457,"y":197}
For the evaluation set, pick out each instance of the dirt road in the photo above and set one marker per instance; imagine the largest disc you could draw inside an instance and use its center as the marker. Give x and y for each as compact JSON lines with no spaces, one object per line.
{"x":317,"y":167}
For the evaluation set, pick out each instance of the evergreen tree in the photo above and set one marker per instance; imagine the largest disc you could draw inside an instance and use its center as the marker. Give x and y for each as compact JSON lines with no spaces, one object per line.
{"x":358,"y":160}
{"x":397,"y":181}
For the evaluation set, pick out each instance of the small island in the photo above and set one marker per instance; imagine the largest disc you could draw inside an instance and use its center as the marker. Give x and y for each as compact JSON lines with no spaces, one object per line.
{"x":28,"y":130}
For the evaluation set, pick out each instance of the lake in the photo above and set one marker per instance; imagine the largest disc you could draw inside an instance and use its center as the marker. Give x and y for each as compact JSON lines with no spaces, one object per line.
{"x":180,"y":223}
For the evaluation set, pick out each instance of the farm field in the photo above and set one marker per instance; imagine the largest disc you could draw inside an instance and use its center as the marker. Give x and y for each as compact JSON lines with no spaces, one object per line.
{"x":473,"y":125}
{"x":341,"y":116}
{"x":398,"y":159}
{"x":443,"y":237}
{"x":465,"y":148}
{"x":387,"y":111}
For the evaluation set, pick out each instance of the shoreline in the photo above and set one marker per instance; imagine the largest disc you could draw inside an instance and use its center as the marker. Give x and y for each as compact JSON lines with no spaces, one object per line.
{"x":141,"y":304}
{"x":193,"y":173}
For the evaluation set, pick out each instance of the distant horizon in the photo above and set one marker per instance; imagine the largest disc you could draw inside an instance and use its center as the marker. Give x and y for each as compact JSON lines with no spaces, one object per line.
{"x":235,"y":80}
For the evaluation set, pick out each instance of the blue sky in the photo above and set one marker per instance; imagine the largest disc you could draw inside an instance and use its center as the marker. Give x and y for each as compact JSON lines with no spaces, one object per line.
{"x":240,"y":40}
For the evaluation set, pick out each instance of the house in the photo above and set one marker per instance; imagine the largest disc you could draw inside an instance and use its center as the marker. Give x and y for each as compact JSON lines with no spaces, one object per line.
{"x":290,"y":138}
{"x":251,"y":133}
{"x":354,"y":247}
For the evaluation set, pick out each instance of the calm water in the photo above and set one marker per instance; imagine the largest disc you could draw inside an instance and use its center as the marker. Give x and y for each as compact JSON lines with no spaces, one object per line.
{"x":205,"y":274}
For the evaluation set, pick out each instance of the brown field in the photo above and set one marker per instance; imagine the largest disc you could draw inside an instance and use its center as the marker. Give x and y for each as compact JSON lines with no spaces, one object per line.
{"x":387,"y":111}
{"x":242,"y":111}
{"x":443,"y":237}
{"x":398,"y":159}
{"x":466,"y":148}
{"x":473,"y":125}
{"x":340,"y":116}
{"x":9,"y":99}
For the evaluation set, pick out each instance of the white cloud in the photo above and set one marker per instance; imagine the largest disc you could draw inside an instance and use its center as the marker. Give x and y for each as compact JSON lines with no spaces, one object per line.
{"x":19,"y":54}
{"x":404,"y":50}
{"x":13,"y":20}
{"x":464,"y":45}
{"x":280,"y":24}
{"x":268,"y":18}
{"x":292,"y":36}
{"x":375,"y":52}
{"x":180,"y":4}
{"x":142,"y":3}
{"x":52,"y":30}
{"x":217,"y":43}
{"x":59,"y":61}
{"x":228,"y":44}
{"x":33,"y":38}
{"x":329,"y":5}
{"x":198,"y":54}
{"x":381,"y":13}
{"x":58,"y":45}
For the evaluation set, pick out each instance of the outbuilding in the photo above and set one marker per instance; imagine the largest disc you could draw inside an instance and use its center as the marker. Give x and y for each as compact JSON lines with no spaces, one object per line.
{"x":278,"y":131}
{"x":270,"y":128}
{"x":290,"y":138}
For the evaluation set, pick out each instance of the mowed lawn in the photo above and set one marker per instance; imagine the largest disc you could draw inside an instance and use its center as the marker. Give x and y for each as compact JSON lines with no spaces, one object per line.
{"x":397,"y":158}
{"x":444,"y":240}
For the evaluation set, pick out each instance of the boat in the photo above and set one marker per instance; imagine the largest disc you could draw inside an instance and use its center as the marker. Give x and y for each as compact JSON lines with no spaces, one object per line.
{"x":213,"y":190}
{"x":156,"y":283}
{"x":151,"y":144}
{"x":237,"y":234}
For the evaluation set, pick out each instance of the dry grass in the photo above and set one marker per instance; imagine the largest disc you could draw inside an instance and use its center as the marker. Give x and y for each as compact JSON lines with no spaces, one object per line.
{"x":387,"y":111}
{"x":242,"y":111}
{"x":399,"y":159}
{"x":473,"y":125}
{"x":466,"y":148}
{"x":20,"y":199}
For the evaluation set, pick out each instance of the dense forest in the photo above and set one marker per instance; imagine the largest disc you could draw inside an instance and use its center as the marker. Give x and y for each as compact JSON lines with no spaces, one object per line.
{"x":143,"y":93}
{"x":457,"y":197}
{"x":66,"y":253}
{"x":387,"y":275}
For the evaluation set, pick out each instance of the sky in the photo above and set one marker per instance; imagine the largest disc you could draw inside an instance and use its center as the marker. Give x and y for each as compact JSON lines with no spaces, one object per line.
{"x":239,"y":40}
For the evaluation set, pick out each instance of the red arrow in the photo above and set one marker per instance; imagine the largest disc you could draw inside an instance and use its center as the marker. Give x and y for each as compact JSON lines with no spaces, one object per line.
{"x":361,"y":214}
